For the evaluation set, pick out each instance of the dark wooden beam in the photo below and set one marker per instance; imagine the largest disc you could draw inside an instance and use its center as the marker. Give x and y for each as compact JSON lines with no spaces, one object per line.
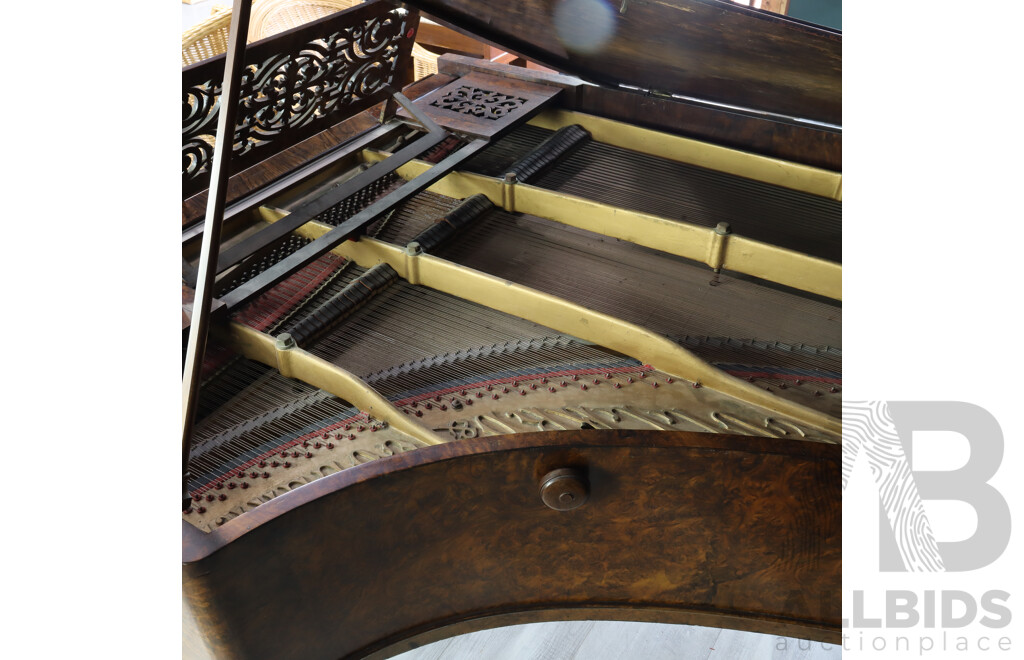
{"x":706,"y":49}
{"x":818,"y":147}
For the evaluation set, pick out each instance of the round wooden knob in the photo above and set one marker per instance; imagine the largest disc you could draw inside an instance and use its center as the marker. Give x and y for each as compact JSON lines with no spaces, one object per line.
{"x":564,"y":489}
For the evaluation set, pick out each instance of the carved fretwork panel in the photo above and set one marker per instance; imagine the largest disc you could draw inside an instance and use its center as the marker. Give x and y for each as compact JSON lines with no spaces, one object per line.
{"x":484,"y":106}
{"x":294,"y":85}
{"x":479,"y":102}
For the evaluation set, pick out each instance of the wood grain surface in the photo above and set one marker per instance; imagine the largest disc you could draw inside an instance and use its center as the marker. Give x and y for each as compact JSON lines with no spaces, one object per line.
{"x":814,"y":146}
{"x":715,"y":530}
{"x":711,"y":50}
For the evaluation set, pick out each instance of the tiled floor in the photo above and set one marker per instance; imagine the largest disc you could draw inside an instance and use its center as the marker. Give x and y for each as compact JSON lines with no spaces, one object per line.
{"x":607,"y":640}
{"x":596,"y":640}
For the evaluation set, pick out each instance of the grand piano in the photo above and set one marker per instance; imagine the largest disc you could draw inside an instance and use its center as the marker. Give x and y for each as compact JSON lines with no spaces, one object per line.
{"x":505,"y":345}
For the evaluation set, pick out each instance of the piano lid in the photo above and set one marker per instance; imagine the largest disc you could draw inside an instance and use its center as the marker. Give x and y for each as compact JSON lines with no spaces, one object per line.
{"x":710,"y":50}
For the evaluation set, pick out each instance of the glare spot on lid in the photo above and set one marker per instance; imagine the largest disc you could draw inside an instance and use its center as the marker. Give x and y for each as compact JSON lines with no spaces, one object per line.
{"x":584,"y":26}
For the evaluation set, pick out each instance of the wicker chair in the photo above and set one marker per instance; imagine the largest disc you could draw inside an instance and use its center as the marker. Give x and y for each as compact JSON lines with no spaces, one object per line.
{"x":424,"y":61}
{"x":273,"y":16}
{"x":210,"y":37}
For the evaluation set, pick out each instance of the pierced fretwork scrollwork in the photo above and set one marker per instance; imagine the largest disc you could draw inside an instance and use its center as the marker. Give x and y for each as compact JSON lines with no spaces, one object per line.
{"x":200,"y":104}
{"x":479,"y":102}
{"x":294,"y":85}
